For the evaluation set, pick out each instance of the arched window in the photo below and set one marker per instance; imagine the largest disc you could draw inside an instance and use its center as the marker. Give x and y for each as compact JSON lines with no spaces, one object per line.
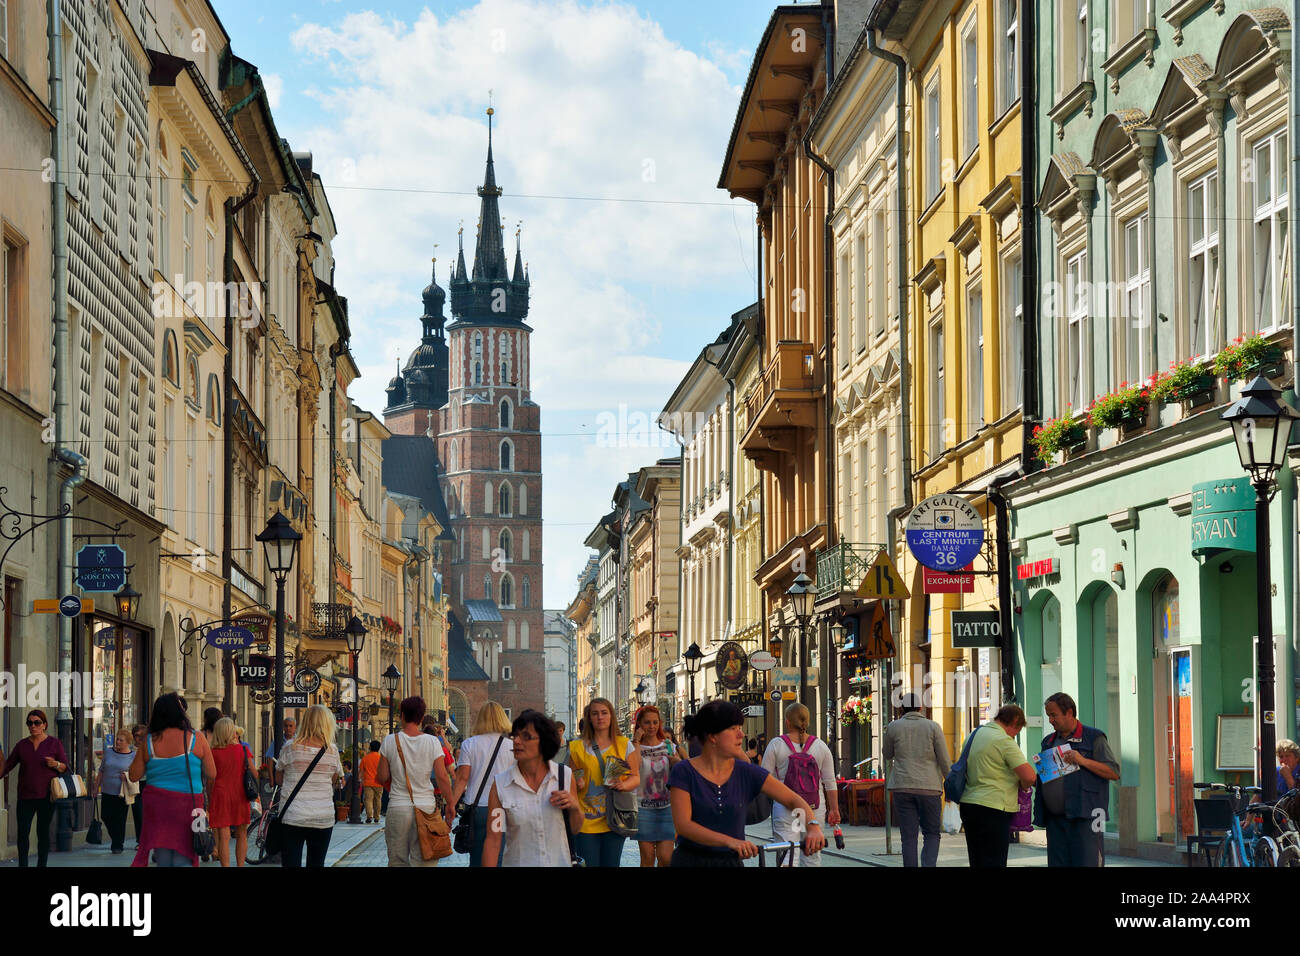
{"x":487,"y":587}
{"x":504,"y":495}
{"x":171,"y":365}
{"x":505,"y":541}
{"x":478,"y":345}
{"x":505,"y":456}
{"x":507,"y":590}
{"x":524,"y":594}
{"x":192,"y":381}
{"x":505,"y":375}
{"x":214,"y":400}
{"x":505,"y":413}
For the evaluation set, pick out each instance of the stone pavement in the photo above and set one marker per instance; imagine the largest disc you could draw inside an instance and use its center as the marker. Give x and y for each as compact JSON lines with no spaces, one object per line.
{"x":866,"y":846}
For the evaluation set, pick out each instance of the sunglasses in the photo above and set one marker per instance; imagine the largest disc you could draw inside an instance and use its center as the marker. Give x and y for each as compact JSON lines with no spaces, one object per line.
{"x":35,"y":723}
{"x":523,"y":736}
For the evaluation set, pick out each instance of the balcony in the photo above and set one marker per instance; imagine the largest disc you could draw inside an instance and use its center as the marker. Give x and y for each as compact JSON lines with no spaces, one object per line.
{"x":783,"y":400}
{"x":841,"y":568}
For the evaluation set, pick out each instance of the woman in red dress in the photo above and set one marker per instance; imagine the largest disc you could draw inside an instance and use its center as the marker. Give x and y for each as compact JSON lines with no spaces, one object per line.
{"x":229,"y":804}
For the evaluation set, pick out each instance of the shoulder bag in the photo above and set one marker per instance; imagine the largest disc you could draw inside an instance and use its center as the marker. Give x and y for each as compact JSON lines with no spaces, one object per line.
{"x":574,"y":859}
{"x":620,"y":805}
{"x":431,"y":828}
{"x":274,"y":840}
{"x":464,"y":836}
{"x":954,"y":785}
{"x":251,"y":791}
{"x":205,"y":844}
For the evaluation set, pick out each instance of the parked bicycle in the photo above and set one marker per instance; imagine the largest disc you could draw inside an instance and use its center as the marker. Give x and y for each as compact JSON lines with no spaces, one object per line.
{"x":1234,"y":832}
{"x":257,"y":838}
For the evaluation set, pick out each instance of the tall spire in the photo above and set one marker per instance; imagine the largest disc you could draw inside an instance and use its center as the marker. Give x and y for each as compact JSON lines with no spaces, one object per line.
{"x":489,"y":250}
{"x":460,"y":256}
{"x":519,"y":264}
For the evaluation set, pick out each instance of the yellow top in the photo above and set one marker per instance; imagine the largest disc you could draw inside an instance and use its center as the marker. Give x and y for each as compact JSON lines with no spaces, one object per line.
{"x":591,"y":795}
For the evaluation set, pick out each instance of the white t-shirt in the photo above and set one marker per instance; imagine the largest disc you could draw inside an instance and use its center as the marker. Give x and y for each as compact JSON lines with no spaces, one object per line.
{"x":475,"y":754}
{"x":536,"y":832}
{"x":420,"y":752}
{"x":314,"y":804}
{"x":776,"y":760}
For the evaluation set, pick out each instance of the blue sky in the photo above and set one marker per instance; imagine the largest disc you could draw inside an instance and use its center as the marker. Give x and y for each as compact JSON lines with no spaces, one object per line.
{"x":617,"y":113}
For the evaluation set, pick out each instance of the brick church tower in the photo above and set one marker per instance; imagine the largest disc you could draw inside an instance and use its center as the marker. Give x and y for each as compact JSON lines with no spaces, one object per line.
{"x":469,"y":393}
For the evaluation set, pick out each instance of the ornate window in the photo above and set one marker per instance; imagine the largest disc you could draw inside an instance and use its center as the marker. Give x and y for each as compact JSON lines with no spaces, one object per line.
{"x":192,"y":381}
{"x":171,"y":365}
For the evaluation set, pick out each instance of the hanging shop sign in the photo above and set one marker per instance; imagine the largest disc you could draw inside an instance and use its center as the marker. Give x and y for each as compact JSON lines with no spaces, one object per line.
{"x":762,"y":661}
{"x":1223,"y":516}
{"x":256,"y":673}
{"x":747,"y":698}
{"x":944,"y":532}
{"x":789,"y":676}
{"x":229,"y":638}
{"x":260,"y":624}
{"x":101,"y":567}
{"x":291,"y":699}
{"x":307,"y":680}
{"x":976,"y":629}
{"x":732,"y":664}
{"x":948,"y":582}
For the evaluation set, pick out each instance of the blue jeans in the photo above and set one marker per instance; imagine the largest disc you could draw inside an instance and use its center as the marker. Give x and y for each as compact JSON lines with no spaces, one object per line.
{"x":599,"y":849}
{"x":480,"y":835}
{"x":919,"y":811}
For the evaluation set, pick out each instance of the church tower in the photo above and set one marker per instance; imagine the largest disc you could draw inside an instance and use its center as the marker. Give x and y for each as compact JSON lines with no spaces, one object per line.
{"x":490,"y":448}
{"x":416,"y":394}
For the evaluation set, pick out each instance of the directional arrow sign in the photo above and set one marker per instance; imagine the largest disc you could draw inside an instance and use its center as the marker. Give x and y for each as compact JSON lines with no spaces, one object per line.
{"x":883,"y":581}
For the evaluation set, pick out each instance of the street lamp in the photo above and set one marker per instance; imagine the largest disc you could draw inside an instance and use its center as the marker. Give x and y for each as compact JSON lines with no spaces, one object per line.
{"x":1261,"y":426}
{"x":280,"y":542}
{"x":645,"y":693}
{"x":128,"y":605}
{"x":801,"y":596}
{"x":391,"y":678}
{"x":355,"y":634}
{"x":776,"y":644}
{"x":693,"y":658}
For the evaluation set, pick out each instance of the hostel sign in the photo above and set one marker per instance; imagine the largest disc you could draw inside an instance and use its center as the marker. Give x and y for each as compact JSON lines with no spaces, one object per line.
{"x":1223,"y":516}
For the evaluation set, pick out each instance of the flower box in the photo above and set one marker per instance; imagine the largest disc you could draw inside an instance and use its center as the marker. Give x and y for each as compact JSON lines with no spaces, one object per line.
{"x":1247,"y":357}
{"x":1063,"y":434}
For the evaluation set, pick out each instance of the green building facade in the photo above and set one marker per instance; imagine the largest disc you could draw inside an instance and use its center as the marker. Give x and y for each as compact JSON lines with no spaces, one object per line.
{"x":1160,"y":179}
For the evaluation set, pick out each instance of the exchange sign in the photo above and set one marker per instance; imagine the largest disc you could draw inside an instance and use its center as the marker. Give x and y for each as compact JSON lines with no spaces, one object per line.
{"x":944,"y":532}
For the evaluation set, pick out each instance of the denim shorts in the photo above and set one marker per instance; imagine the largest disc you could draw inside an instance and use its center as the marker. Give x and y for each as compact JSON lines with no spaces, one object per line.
{"x":654,"y":824}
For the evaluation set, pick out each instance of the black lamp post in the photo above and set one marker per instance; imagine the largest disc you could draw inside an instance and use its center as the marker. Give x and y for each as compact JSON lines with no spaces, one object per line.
{"x":1261,"y":426}
{"x":128,"y":605}
{"x":280,"y":542}
{"x":693,"y":658}
{"x":801,"y":596}
{"x":391,"y":678}
{"x":355,"y":633}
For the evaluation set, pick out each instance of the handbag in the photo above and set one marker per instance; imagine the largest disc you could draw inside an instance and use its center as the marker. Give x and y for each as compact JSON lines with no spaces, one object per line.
{"x":205,"y":843}
{"x":251,"y":791}
{"x":463,"y":839}
{"x":954,"y":785}
{"x":68,"y":786}
{"x":130,"y":788}
{"x":273,"y":843}
{"x":574,"y":859}
{"x":95,"y":832}
{"x":435,"y":844}
{"x":620,"y":805}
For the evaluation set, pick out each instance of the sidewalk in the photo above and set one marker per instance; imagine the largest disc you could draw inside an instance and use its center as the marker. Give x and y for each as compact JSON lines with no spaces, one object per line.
{"x":345,"y":838}
{"x":866,"y":846}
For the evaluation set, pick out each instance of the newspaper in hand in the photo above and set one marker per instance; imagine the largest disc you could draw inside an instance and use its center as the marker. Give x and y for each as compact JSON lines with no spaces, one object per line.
{"x":1051,"y":763}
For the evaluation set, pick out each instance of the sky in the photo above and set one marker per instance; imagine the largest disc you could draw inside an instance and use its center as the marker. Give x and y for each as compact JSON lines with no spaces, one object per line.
{"x":611,"y":120}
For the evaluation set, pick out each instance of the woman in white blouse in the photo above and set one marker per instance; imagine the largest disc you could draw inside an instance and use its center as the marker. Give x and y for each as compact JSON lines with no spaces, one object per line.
{"x":309,"y":820}
{"x":412,"y":761}
{"x":529,"y":804}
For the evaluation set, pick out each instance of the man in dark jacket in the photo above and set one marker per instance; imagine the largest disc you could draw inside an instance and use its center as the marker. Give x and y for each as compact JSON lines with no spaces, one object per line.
{"x":1074,"y":807}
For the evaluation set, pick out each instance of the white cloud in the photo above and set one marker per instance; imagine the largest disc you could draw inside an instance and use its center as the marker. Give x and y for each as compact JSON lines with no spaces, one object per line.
{"x":274,"y":84}
{"x":594,"y":106}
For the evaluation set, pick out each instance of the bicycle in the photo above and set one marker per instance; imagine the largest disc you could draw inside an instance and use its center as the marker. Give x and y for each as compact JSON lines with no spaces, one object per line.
{"x":1237,"y":847}
{"x":257,"y":852}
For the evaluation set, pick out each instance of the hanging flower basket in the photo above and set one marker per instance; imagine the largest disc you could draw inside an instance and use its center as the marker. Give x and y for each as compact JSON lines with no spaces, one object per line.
{"x":855,"y":710}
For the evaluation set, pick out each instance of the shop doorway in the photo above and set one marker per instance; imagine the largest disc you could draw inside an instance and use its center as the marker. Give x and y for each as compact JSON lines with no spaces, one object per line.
{"x":1172,"y":699}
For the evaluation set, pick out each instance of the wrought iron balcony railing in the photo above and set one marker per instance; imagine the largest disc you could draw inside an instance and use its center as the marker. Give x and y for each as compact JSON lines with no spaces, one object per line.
{"x":841,"y":567}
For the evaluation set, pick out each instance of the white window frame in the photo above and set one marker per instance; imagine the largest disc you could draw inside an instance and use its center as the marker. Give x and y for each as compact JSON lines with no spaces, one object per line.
{"x":1077,"y":381}
{"x":1129,"y":18}
{"x":1082,"y":41}
{"x":1009,"y":59}
{"x":187,"y":240}
{"x":934,"y":358}
{"x":1013,"y":357}
{"x":934,"y":135}
{"x":879,"y":270}
{"x":970,"y":88}
{"x":845,"y":306}
{"x":164,"y":221}
{"x":974,"y":355}
{"x":1203,"y":255}
{"x":860,"y":259}
{"x":1135,"y":267}
{"x":1270,"y":217}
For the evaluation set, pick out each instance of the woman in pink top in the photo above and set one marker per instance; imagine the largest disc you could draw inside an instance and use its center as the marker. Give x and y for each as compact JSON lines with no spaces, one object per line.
{"x":40,"y":758}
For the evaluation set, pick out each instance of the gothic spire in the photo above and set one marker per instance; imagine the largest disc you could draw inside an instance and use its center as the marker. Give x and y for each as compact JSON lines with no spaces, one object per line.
{"x":460,"y":256}
{"x":519,"y":263}
{"x":489,"y":250}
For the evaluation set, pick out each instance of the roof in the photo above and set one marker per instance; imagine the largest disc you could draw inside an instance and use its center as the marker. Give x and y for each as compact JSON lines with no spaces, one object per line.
{"x":411,"y":467}
{"x":555,"y":622}
{"x":483,"y":611}
{"x":461,"y":664}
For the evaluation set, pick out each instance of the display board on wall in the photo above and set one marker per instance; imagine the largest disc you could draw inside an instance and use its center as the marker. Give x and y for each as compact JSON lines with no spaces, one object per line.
{"x":1234,"y":743}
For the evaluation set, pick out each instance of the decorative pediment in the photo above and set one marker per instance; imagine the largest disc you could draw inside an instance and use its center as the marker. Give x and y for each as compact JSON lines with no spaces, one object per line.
{"x":1253,"y":40}
{"x":889,"y":367}
{"x":1060,"y":192}
{"x":1120,"y":138}
{"x":1186,"y":83}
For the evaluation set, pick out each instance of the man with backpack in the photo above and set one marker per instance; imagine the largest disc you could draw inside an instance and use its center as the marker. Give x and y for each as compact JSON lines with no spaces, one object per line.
{"x":920,"y":754}
{"x":805,"y":765}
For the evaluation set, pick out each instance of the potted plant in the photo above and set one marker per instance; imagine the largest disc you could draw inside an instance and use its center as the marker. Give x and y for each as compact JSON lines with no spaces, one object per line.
{"x":1125,"y":408}
{"x":1245,"y":358}
{"x":341,"y":809}
{"x":855,"y":710}
{"x":1187,"y":382}
{"x":1066,"y":433}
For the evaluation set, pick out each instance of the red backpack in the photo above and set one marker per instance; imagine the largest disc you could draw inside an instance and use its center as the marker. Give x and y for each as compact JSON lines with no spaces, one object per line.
{"x":802,"y":775}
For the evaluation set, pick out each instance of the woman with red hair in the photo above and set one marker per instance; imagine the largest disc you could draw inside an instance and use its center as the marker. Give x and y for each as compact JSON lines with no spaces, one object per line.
{"x":655,"y":833}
